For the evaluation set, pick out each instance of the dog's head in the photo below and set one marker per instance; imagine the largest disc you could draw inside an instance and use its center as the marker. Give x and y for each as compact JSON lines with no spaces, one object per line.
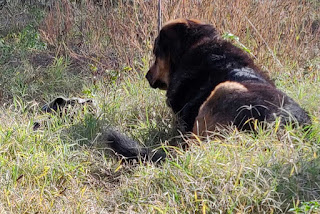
{"x":175,"y":39}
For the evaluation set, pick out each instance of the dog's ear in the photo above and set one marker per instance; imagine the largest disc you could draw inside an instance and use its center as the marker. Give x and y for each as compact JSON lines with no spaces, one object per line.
{"x":171,"y":40}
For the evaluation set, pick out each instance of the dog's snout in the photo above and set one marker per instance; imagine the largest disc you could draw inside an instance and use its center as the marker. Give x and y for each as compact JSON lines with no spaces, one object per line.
{"x":148,"y":76}
{"x":150,"y":79}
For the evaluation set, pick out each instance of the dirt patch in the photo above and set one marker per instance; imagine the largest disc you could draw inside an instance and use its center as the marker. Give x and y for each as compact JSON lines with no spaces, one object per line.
{"x":41,"y":59}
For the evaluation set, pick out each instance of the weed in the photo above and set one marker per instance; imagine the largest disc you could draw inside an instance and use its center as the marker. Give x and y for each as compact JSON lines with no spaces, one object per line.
{"x":307,"y":207}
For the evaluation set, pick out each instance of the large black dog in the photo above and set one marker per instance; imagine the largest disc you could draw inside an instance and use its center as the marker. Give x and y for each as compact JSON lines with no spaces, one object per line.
{"x":211,"y":83}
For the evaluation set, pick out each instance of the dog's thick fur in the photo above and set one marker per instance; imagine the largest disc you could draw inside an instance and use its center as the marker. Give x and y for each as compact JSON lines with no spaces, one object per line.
{"x":211,"y":83}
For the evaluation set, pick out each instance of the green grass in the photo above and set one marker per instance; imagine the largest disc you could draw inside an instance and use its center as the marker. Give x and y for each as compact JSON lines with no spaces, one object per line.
{"x":66,"y":167}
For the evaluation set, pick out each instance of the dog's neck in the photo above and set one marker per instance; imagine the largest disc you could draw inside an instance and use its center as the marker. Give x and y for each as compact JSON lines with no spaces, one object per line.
{"x":203,"y":41}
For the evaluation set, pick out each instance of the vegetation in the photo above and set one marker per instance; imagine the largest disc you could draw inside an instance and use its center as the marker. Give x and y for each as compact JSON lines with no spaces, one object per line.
{"x":101,"y":50}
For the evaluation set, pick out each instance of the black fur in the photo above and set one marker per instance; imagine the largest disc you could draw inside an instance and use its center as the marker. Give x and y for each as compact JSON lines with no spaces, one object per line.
{"x":199,"y":60}
{"x":130,"y":149}
{"x":197,"y":70}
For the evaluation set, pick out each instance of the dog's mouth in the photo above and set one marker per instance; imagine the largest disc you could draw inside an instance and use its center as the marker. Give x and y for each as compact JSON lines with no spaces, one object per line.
{"x":159,"y":84}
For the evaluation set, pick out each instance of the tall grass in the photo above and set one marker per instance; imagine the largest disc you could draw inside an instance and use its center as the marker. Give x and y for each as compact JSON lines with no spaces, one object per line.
{"x":276,"y":32}
{"x":101,"y":50}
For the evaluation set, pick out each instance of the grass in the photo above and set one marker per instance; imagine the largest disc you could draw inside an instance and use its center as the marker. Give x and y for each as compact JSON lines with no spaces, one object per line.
{"x":66,"y":167}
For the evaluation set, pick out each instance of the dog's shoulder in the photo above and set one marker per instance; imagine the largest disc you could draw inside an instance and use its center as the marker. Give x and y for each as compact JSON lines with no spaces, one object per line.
{"x":246,"y":74}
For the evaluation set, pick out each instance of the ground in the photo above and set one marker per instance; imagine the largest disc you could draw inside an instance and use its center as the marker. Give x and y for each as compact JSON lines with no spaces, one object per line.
{"x":91,"y":51}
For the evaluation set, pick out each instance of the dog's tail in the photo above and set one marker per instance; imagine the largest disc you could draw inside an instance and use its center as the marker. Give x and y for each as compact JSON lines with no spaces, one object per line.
{"x":131,"y":149}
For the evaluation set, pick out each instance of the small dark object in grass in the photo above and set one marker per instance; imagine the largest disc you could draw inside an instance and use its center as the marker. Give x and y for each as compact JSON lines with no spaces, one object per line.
{"x":60,"y":104}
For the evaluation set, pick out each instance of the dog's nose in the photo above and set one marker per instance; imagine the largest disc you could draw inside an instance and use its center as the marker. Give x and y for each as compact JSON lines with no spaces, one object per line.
{"x":148,"y":76}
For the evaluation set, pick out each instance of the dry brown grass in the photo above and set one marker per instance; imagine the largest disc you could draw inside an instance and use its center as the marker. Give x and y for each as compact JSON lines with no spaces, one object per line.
{"x":278,"y":33}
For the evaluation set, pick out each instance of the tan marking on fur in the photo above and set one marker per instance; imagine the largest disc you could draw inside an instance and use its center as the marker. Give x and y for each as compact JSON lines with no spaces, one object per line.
{"x":163,"y":70}
{"x":205,"y":121}
{"x":224,"y":87}
{"x":201,"y":124}
{"x":181,"y":21}
{"x":160,"y":71}
{"x":176,"y":21}
{"x":196,"y":21}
